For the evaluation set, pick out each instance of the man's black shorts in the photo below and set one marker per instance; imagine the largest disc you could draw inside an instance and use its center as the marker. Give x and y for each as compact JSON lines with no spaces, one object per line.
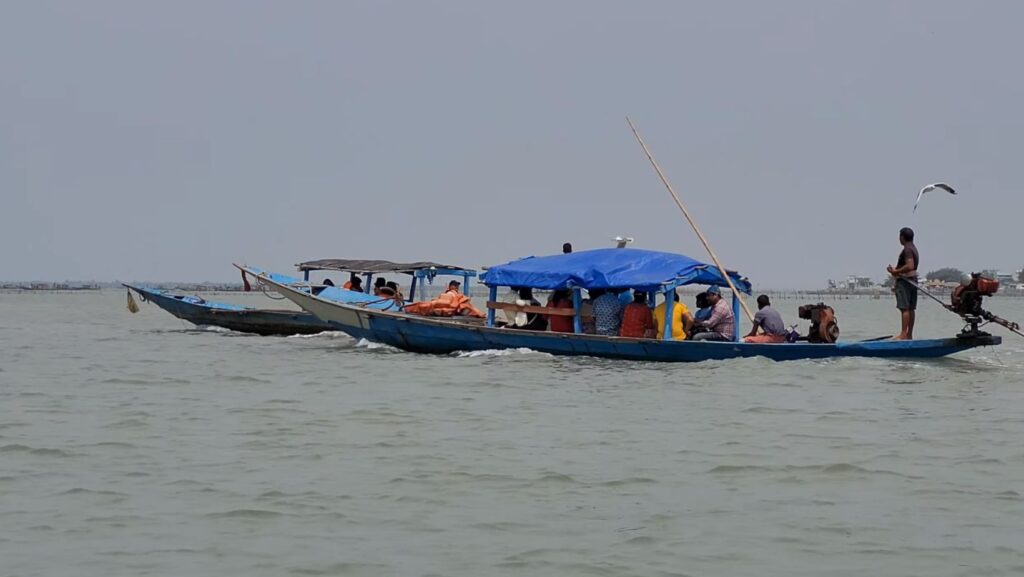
{"x":906,"y":296}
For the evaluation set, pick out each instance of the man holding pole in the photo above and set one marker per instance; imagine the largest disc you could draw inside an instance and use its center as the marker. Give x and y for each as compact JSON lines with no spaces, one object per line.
{"x":906,"y":292}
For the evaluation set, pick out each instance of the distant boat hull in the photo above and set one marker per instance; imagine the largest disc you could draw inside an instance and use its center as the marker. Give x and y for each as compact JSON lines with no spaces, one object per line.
{"x":442,"y":336}
{"x":236,"y":318}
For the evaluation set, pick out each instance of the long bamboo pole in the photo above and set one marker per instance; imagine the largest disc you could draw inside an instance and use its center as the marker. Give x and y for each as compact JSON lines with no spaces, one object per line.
{"x":689,"y":219}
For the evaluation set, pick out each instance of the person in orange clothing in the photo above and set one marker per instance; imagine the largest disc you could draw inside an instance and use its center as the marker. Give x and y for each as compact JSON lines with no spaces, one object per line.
{"x":450,"y":303}
{"x":560,"y":299}
{"x":637,"y":320}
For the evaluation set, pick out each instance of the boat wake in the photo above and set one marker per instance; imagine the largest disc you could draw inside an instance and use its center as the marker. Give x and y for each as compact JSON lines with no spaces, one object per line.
{"x":499,"y":353}
{"x":209,"y":329}
{"x":370,"y":345}
{"x":323,"y":335}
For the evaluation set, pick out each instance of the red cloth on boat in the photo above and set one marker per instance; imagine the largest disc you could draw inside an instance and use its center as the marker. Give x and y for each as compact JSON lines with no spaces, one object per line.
{"x":636,"y":321}
{"x":560,"y":324}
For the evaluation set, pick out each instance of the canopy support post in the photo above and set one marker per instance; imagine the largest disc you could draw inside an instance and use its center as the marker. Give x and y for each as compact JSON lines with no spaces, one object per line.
{"x":493,"y":298}
{"x":670,"y":306}
{"x":412,"y":288}
{"x":577,"y":317}
{"x":736,"y":317}
{"x":305,"y":275}
{"x":465,"y":286}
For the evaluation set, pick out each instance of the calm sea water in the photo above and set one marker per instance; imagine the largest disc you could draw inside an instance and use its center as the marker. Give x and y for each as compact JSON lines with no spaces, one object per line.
{"x":139,"y":445}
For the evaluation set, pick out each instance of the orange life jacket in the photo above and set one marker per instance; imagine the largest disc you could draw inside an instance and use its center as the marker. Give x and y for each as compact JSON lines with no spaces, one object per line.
{"x":447,"y":304}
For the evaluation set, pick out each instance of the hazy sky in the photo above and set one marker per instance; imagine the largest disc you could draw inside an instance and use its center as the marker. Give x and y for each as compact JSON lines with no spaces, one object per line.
{"x":164,"y":140}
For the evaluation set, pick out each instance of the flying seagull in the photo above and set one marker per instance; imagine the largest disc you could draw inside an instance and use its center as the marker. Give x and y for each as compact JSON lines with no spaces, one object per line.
{"x":931,"y":187}
{"x":622,"y":242}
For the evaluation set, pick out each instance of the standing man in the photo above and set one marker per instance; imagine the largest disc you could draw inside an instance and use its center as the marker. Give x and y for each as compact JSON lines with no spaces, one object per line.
{"x":906,"y":293}
{"x":567,"y":248}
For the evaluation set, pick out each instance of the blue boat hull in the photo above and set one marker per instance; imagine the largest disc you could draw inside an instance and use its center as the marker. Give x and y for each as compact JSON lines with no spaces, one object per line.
{"x":442,"y":336}
{"x":233,"y":317}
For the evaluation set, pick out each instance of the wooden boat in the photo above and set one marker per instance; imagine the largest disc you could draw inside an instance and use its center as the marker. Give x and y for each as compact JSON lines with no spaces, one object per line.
{"x":604,"y":268}
{"x":203,"y":312}
{"x":421,"y":273}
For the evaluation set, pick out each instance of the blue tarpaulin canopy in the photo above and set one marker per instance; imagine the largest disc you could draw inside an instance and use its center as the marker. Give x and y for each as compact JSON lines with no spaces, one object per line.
{"x":609,"y":268}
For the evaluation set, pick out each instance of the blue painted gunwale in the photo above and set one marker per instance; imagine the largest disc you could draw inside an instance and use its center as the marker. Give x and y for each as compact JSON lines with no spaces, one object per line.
{"x":443,"y":336}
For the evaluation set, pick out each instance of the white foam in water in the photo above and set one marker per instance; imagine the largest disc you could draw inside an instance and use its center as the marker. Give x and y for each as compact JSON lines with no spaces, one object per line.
{"x":323,"y":335}
{"x":498,"y":353}
{"x":213,"y":329}
{"x":363,"y":343}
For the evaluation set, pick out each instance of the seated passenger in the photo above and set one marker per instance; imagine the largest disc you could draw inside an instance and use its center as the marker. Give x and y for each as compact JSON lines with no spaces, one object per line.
{"x":448,"y":304}
{"x":393,"y":286}
{"x":528,"y":321}
{"x":720,"y":325}
{"x":703,"y":308}
{"x":607,"y":314}
{"x":682,"y":322}
{"x":354,"y":283}
{"x":769,"y":321}
{"x":319,"y":289}
{"x":560,"y":299}
{"x":378,"y":284}
{"x":587,"y":314}
{"x":637,"y":320}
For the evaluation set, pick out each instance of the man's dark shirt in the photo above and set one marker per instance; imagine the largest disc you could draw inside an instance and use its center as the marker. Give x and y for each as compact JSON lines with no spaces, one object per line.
{"x":909,"y":251}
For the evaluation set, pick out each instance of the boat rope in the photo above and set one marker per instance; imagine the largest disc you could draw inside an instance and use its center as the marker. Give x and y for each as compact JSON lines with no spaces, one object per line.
{"x":269,"y":295}
{"x":393,"y":302}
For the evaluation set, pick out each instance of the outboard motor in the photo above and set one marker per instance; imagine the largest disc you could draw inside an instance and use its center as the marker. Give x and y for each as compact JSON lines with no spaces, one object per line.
{"x":966,"y":301}
{"x":824,"y":328}
{"x":966,"y":298}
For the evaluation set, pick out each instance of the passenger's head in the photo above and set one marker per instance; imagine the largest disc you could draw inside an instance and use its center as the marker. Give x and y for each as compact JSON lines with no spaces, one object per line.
{"x":567,"y":248}
{"x":640,"y":297}
{"x":763,"y":301}
{"x":594,"y":293}
{"x":392,"y":285}
{"x":560,"y":295}
{"x":328,"y":282}
{"x":702,"y":300}
{"x":906,"y":235}
{"x":454,"y":285}
{"x":381,"y":281}
{"x":714,"y":295}
{"x":357,"y":283}
{"x":525,"y":293}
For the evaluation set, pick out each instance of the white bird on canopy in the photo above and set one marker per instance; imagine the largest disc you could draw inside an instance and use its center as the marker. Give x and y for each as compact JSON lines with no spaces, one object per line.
{"x":621,"y":242}
{"x":931,"y":187}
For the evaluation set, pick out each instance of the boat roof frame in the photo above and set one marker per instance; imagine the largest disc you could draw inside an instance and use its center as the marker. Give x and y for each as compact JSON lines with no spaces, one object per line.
{"x":421,"y":269}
